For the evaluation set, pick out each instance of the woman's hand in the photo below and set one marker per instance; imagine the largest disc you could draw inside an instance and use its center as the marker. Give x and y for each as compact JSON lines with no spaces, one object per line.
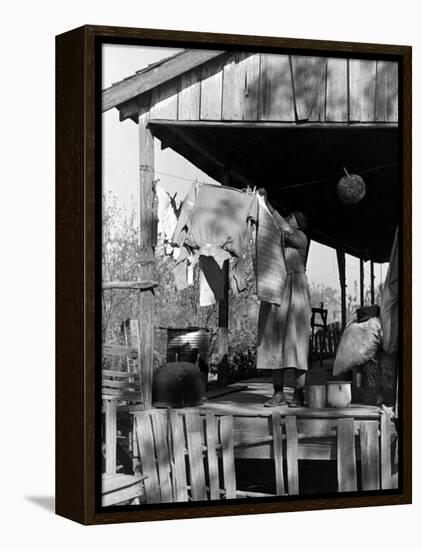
{"x":263,"y":193}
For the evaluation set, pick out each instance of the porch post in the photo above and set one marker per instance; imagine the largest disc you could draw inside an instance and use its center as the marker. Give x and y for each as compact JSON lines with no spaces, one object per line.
{"x":147,"y":259}
{"x":341,"y":260}
{"x":372,"y":284}
{"x":223,"y":329}
{"x":223,"y":313}
{"x":362,"y":282}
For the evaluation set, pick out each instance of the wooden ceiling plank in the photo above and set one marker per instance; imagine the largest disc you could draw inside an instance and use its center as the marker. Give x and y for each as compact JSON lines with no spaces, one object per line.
{"x":336,"y":106}
{"x":251,"y":100}
{"x":189,"y":95}
{"x":362,"y":80}
{"x":276,"y":88}
{"x":212,"y":90}
{"x":234,"y":87}
{"x":307,"y":76}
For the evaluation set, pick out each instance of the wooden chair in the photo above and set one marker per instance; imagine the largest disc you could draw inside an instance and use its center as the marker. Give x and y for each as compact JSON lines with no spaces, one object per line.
{"x":122,"y":489}
{"x":318,"y":343}
{"x":120,"y":390}
{"x":374,"y":444}
{"x":187,"y":456}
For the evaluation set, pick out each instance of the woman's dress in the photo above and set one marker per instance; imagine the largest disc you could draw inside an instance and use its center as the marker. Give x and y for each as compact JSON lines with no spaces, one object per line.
{"x":284,"y":331}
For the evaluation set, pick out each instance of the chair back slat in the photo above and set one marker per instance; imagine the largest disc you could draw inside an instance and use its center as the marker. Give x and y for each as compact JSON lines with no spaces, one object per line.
{"x":346,"y":455}
{"x":292,"y":456}
{"x":121,"y":385}
{"x":278,"y":453}
{"x":370,"y":455}
{"x":227,"y":453}
{"x":180,"y":486}
{"x":120,"y":395}
{"x":147,"y":455}
{"x":196,"y":462}
{"x":163,"y":457}
{"x":115,"y":350}
{"x":112,"y":374}
{"x":386,"y":463}
{"x":212,"y":458}
{"x":110,"y":437}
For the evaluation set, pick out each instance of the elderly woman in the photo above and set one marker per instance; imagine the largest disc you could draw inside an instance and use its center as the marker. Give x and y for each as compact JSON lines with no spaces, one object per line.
{"x":284,"y":330}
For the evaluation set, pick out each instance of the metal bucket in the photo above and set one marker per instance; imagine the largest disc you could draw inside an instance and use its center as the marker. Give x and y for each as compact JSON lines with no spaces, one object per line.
{"x":317,"y":396}
{"x":339,"y":393}
{"x":186,"y":344}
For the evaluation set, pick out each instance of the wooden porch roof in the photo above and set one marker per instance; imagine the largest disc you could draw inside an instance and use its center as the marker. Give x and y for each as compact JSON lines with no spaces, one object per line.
{"x":300,"y":168}
{"x":285,"y":122}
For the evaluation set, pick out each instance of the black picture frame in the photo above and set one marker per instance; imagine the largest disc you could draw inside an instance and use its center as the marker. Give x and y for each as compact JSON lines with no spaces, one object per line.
{"x":78,"y":231}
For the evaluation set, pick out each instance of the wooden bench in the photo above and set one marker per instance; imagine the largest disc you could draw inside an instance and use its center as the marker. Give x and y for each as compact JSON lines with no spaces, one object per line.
{"x":191,"y":456}
{"x":187,"y":456}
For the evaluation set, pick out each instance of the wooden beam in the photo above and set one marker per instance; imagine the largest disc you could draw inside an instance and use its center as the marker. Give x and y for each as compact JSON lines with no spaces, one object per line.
{"x":273,"y":125}
{"x":147,"y":259}
{"x":130,"y":285}
{"x":341,"y":260}
{"x":153,"y":76}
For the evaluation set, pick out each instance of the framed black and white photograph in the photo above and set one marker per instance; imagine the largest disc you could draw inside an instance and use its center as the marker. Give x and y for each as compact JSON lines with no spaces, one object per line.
{"x":233,"y":274}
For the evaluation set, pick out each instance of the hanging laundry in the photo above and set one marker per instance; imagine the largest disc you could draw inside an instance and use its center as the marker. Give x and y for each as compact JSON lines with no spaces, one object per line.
{"x":167,"y":219}
{"x":206,"y":295}
{"x":184,"y":269}
{"x":389,"y":302}
{"x":214,"y":223}
{"x":269,"y":262}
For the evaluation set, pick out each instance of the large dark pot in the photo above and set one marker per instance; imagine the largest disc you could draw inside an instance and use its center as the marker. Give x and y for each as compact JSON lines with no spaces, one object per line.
{"x":178,"y":384}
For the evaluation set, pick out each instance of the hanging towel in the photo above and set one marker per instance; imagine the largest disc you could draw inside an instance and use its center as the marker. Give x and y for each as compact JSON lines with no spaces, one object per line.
{"x":215,"y":223}
{"x":269,"y":262}
{"x":206,"y":295}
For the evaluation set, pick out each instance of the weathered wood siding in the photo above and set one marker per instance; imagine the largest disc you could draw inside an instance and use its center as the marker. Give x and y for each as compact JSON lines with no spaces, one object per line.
{"x":280,"y":88}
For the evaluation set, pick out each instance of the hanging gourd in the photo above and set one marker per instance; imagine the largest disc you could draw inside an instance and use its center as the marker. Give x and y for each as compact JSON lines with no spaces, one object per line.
{"x":351,"y":188}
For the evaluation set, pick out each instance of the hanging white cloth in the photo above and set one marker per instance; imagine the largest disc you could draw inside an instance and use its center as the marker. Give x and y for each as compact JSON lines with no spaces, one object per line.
{"x":389,"y":302}
{"x":206,"y":295}
{"x":167,"y":220}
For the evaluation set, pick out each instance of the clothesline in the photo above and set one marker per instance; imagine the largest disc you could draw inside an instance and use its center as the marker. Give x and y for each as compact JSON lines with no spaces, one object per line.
{"x":334,"y":178}
{"x":298,"y":185}
{"x":177,"y":177}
